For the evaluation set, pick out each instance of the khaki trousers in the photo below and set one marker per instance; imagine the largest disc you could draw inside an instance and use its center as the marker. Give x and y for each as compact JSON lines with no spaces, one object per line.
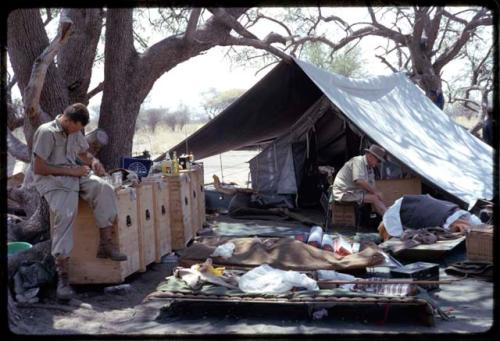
{"x":64,"y":208}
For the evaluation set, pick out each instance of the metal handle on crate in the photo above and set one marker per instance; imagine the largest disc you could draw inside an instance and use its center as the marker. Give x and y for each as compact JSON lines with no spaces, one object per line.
{"x":128,"y":220}
{"x":163,"y":211}
{"x":148,"y":216}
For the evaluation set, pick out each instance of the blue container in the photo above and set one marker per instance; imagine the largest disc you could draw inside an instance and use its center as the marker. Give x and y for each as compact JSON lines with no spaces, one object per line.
{"x":137,"y":165}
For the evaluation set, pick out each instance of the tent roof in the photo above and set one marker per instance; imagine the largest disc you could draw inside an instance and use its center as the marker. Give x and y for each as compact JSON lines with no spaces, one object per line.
{"x":391,"y":110}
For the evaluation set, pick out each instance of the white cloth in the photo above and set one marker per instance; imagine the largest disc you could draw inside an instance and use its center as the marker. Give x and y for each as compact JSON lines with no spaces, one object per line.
{"x":392,"y":219}
{"x":461,"y":214}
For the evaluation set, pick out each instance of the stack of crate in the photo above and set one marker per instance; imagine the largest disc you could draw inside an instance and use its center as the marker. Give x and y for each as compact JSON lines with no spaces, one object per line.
{"x":161,"y":214}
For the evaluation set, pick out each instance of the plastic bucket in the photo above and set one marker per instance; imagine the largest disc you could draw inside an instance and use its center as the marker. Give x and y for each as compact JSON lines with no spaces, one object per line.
{"x":13,"y":247}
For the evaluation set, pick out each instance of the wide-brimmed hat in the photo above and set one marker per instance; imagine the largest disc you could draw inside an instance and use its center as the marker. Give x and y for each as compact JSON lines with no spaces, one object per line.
{"x":376,"y":151}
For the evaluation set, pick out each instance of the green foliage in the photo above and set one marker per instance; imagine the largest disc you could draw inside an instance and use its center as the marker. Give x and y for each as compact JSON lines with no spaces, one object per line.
{"x":215,"y":101}
{"x":347,"y":61}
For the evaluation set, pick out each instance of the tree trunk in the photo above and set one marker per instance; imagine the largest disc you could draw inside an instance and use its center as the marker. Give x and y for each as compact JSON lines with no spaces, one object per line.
{"x":76,"y":58}
{"x":26,"y":40}
{"x":96,"y":140}
{"x":38,"y":252}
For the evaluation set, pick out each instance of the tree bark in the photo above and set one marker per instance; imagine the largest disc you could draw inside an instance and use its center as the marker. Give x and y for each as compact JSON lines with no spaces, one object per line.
{"x":26,"y":40}
{"x":96,"y":140}
{"x":34,"y":229}
{"x":76,"y":58}
{"x":38,"y":252}
{"x":130,"y":76}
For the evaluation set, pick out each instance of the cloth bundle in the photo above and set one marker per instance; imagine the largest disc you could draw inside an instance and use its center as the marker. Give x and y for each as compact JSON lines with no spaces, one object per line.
{"x":428,"y":235}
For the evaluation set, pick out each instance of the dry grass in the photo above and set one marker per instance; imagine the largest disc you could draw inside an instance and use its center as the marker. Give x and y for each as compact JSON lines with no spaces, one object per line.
{"x":465,"y":122}
{"x":162,"y":139}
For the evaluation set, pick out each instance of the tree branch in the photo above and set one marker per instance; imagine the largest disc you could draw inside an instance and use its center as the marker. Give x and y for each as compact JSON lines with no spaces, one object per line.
{"x":259,"y":15}
{"x":192,"y":23}
{"x":222,"y":16}
{"x":257,"y":44}
{"x":448,"y":55}
{"x":393,"y":69}
{"x":433,"y":29}
{"x":16,"y":148}
{"x":33,"y":90}
{"x":385,"y":31}
{"x":95,"y":91}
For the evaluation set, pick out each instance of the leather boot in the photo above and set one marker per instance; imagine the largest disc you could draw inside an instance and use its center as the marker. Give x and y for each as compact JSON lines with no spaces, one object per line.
{"x":107,"y":249}
{"x":64,"y":291}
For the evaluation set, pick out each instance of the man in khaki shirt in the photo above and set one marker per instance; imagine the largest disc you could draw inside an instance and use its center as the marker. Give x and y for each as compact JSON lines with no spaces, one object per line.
{"x":355,"y":181}
{"x":62,"y":172}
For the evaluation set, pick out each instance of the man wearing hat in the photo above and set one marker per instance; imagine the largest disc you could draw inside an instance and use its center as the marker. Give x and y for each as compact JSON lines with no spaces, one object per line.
{"x":355,"y":181}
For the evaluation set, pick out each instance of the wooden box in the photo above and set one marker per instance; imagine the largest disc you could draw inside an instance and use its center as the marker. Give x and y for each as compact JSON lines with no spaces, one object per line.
{"x":85,"y":267}
{"x":161,"y":216}
{"x":479,"y":243}
{"x":393,"y":189}
{"x":200,"y":194}
{"x":197,"y":197}
{"x":146,"y":225}
{"x":343,"y":214}
{"x":193,"y":199}
{"x":180,"y":209}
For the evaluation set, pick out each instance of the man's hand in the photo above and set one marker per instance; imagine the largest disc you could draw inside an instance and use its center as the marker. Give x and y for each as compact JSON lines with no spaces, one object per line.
{"x":98,"y":168}
{"x":80,"y":171}
{"x":378,"y":195}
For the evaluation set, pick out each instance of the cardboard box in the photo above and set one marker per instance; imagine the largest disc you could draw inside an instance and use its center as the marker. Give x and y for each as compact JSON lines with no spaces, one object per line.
{"x":85,"y":267}
{"x":343,"y":214}
{"x":393,"y":189}
{"x":479,"y":243}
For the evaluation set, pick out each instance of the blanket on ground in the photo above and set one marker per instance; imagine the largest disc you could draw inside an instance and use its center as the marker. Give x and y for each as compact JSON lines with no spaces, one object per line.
{"x":281,"y":253}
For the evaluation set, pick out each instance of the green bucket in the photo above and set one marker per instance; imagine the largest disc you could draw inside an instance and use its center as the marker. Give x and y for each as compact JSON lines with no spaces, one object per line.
{"x":13,"y":247}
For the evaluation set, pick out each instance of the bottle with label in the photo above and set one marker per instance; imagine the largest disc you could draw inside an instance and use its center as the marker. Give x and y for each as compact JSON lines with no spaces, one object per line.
{"x":175,"y":164}
{"x":166,"y":165}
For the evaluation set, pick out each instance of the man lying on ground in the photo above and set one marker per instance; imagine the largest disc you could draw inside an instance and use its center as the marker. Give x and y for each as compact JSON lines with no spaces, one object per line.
{"x":421,"y":211}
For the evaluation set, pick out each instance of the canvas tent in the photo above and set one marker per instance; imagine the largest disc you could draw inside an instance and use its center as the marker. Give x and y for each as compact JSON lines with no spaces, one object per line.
{"x":297,"y":109}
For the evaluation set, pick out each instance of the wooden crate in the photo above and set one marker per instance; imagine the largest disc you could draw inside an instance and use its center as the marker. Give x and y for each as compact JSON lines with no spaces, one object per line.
{"x":193,"y":200}
{"x":343,"y":214}
{"x":161,"y":214}
{"x":146,"y":224}
{"x":393,"y":189}
{"x":479,"y":243}
{"x":200,"y":194}
{"x":180,"y":210}
{"x":85,"y":267}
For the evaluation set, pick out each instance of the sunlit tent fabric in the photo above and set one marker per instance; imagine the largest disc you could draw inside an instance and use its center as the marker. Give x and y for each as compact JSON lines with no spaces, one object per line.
{"x":390,"y":110}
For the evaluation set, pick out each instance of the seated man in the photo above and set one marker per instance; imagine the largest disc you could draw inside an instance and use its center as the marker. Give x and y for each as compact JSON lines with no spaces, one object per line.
{"x":421,"y":211}
{"x":355,"y":181}
{"x":58,"y":147}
